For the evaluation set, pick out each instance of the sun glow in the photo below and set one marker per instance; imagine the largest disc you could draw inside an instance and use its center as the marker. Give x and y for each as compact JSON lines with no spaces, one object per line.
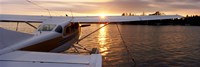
{"x":102,"y":16}
{"x":103,"y":40}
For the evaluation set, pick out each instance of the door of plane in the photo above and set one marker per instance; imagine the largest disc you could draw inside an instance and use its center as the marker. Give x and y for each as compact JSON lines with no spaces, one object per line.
{"x":70,"y":29}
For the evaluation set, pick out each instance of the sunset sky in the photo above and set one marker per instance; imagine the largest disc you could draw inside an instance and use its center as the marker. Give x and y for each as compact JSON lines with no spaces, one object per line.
{"x":99,"y":7}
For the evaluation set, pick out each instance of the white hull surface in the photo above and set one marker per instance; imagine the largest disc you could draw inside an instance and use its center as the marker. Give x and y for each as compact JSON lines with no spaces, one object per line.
{"x":41,"y":59}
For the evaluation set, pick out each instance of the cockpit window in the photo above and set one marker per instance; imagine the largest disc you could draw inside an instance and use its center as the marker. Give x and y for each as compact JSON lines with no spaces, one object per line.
{"x":47,"y":27}
{"x":59,"y":29}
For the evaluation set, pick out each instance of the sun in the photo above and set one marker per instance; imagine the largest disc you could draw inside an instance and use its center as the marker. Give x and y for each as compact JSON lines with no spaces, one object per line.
{"x":102,"y":16}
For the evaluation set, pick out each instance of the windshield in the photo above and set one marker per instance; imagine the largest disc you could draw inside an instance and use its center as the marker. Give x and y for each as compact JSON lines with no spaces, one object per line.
{"x":47,"y":27}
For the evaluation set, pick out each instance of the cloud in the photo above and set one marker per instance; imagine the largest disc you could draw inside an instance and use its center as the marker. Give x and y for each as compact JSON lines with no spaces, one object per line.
{"x":113,"y":6}
{"x":178,"y":4}
{"x":98,"y":6}
{"x":73,"y":0}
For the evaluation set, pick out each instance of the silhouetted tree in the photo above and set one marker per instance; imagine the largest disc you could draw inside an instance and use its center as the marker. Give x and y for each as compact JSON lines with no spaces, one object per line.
{"x":130,"y":14}
{"x":187,"y":16}
{"x":123,"y":14}
{"x":143,"y":14}
{"x":126,"y":14}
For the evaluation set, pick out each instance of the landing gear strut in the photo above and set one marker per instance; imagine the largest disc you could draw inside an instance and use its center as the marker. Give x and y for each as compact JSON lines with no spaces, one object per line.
{"x":78,"y":46}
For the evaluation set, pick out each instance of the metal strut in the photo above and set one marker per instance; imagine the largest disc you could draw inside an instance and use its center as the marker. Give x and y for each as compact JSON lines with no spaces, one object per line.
{"x":93,"y":51}
{"x":31,"y":25}
{"x":76,"y":49}
{"x":92,"y":32}
{"x":17,"y":26}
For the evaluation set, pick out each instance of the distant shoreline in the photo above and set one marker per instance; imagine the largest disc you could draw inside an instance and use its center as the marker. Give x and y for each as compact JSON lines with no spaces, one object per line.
{"x":185,"y":21}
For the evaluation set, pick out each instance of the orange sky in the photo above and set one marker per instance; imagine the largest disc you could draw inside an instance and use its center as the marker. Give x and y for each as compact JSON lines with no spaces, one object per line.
{"x":99,"y":7}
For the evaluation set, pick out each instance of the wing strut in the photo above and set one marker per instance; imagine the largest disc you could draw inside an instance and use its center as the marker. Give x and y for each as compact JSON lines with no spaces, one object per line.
{"x":17,"y":26}
{"x":31,"y":25}
{"x":92,"y":33}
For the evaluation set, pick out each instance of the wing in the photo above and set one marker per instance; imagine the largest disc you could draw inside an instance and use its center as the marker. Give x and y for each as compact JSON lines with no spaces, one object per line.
{"x":40,"y":59}
{"x":25,"y":18}
{"x":124,"y":18}
{"x":22,"y":18}
{"x":9,"y":37}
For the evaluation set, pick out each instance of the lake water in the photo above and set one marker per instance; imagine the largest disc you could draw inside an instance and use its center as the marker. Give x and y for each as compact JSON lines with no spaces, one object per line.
{"x":149,"y":46}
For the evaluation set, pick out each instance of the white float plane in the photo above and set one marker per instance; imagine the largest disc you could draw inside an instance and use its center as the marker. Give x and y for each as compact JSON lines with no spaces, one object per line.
{"x":54,"y":35}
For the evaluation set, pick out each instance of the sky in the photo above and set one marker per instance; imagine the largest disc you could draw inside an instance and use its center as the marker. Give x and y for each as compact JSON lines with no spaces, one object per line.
{"x":99,"y":7}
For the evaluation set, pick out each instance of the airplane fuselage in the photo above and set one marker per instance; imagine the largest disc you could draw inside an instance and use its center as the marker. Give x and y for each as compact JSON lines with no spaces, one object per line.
{"x":67,"y":36}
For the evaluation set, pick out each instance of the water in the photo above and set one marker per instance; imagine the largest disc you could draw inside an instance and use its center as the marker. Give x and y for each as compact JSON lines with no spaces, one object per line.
{"x":150,"y":46}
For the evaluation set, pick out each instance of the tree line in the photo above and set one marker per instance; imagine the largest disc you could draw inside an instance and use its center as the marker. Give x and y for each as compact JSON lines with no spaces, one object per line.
{"x":143,"y":14}
{"x":193,"y":20}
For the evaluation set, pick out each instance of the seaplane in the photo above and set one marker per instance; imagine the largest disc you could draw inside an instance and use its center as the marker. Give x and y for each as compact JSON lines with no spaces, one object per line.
{"x":54,"y":35}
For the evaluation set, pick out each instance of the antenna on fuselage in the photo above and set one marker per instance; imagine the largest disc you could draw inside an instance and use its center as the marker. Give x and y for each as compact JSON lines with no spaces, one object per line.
{"x":72,"y":15}
{"x":39,"y":7}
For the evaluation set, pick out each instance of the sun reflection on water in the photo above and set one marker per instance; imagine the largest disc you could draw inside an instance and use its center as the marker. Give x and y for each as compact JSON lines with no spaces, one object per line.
{"x":102,"y":40}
